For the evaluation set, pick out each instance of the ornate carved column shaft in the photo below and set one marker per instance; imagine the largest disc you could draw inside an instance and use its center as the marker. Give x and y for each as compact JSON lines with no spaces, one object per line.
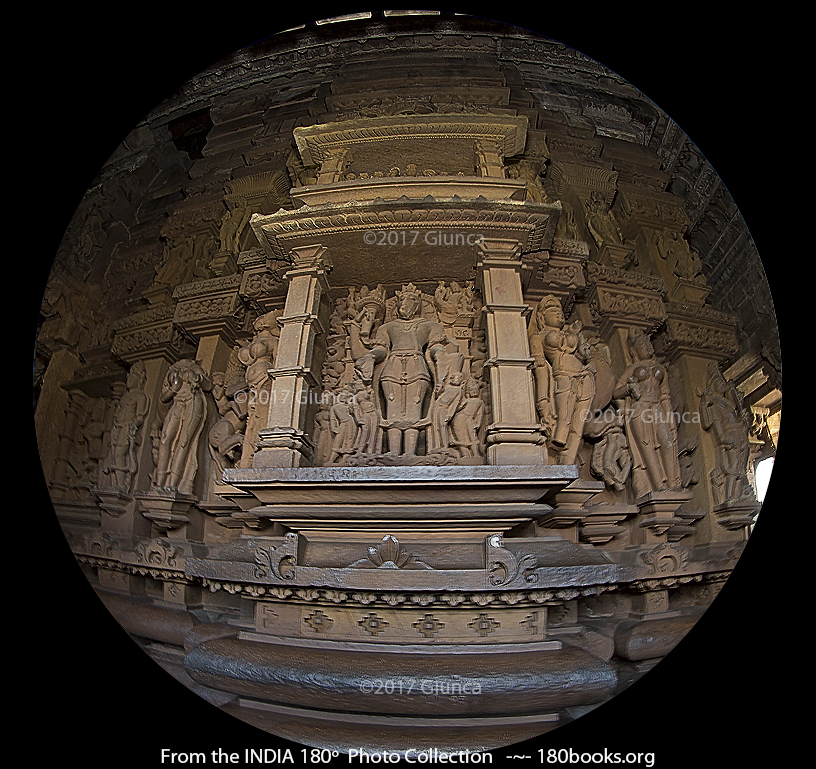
{"x":284,"y":442}
{"x":514,"y":437}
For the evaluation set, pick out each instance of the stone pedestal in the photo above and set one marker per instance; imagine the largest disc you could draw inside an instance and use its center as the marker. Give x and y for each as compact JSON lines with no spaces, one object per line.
{"x":658,"y":513}
{"x":166,"y":509}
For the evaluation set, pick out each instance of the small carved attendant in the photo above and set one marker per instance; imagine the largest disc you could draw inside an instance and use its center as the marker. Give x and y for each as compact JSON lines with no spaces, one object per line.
{"x":467,"y":421}
{"x":177,"y":462}
{"x":643,"y":393}
{"x":343,"y":426}
{"x":443,"y":410}
{"x":369,"y":438}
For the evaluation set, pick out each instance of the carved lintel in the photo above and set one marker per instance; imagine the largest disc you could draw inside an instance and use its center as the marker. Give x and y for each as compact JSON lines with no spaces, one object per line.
{"x":625,"y":306}
{"x":635,"y":209}
{"x":699,"y":331}
{"x":151,"y":334}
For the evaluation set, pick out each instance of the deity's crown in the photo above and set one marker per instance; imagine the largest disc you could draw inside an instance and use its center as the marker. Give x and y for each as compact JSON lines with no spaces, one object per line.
{"x":374,"y":298}
{"x":409,"y":291}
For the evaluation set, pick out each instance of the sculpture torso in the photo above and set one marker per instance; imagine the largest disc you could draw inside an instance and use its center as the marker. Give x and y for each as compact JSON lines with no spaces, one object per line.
{"x":405,"y":341}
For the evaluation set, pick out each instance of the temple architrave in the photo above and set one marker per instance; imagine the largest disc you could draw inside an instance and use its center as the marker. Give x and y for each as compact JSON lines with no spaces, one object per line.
{"x":416,"y":353}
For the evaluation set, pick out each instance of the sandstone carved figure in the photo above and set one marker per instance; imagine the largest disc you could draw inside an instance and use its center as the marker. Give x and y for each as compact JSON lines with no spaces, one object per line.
{"x":443,"y":409}
{"x":121,"y":464}
{"x":177,"y":462}
{"x":565,"y":378}
{"x":601,"y":221}
{"x":467,"y":421}
{"x":721,"y":416}
{"x":642,"y":393}
{"x":407,"y":348}
{"x":610,"y":460}
{"x":226,"y":436}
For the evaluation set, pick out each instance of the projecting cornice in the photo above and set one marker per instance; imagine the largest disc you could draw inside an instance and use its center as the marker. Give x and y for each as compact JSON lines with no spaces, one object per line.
{"x":434,"y":236}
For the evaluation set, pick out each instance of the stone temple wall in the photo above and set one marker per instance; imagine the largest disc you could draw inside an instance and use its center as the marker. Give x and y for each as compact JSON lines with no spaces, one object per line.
{"x":415,"y":350}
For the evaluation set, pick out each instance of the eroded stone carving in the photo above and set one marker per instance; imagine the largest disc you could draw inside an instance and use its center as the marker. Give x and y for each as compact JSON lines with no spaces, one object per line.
{"x":601,"y":221}
{"x":721,"y":415}
{"x":128,"y":418}
{"x":226,"y":436}
{"x":610,"y":460}
{"x":257,"y":356}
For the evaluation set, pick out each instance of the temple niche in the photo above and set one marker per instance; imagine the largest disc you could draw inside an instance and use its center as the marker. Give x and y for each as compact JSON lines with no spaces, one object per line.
{"x":410,"y":375}
{"x":398,"y":386}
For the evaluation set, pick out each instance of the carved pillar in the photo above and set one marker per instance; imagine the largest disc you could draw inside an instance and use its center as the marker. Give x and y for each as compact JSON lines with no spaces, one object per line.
{"x":514,"y":437}
{"x":285,"y":442}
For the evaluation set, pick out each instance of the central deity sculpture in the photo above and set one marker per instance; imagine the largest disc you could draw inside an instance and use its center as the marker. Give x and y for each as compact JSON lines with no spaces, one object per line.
{"x":407,"y":347}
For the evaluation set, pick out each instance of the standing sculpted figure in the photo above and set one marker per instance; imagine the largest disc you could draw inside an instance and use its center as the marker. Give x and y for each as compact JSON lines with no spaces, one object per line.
{"x":177,"y":461}
{"x":642,"y":392}
{"x":601,"y":221}
{"x":565,"y":378}
{"x":258,"y":357}
{"x":467,"y":421}
{"x":127,"y":422}
{"x":407,"y":348}
{"x":720,"y":414}
{"x":443,"y":410}
{"x":343,"y":426}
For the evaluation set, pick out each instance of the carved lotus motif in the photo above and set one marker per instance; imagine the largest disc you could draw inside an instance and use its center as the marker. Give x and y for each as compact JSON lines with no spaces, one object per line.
{"x":389,"y":555}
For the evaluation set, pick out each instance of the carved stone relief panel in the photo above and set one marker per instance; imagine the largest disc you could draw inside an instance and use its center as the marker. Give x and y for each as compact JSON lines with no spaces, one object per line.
{"x":403,"y":378}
